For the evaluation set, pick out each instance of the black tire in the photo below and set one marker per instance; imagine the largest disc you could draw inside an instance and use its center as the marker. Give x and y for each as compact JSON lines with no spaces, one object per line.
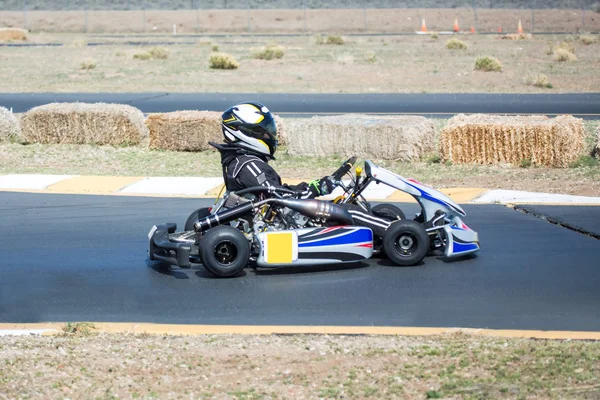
{"x":195,"y":216}
{"x":388,"y":211}
{"x":406,"y":242}
{"x":225,"y":251}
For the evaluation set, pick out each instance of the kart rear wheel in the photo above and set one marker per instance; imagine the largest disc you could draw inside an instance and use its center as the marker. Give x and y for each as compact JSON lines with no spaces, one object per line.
{"x":406,"y":242}
{"x":225,"y":251}
{"x":388,"y":211}
{"x":195,"y":216}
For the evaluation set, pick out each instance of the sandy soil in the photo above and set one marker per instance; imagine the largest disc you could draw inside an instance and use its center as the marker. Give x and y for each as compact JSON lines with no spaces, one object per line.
{"x":296,"y":367}
{"x":396,"y":64}
{"x":314,"y":20}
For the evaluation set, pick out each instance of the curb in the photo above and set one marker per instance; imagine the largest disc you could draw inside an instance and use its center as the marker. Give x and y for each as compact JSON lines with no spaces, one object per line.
{"x":55,"y":328}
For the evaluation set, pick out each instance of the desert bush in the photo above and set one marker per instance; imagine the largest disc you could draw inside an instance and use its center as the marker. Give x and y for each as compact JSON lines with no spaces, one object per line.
{"x":87,"y":64}
{"x":159,"y":53}
{"x":435,"y":36}
{"x":538,"y":80}
{"x":588,"y":39}
{"x":144,"y":55}
{"x":13,"y":34}
{"x":334,"y":39}
{"x":455,"y":44}
{"x":215,"y":48}
{"x":488,"y":64}
{"x":319,"y":39}
{"x":223,"y":61}
{"x":270,"y":53}
{"x":566,"y":45}
{"x":371,"y":57}
{"x":562,"y":55}
{"x":517,"y":36}
{"x":10,"y":129}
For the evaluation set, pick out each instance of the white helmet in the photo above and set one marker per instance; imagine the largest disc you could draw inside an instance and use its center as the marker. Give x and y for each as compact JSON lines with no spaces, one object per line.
{"x":252,"y":127}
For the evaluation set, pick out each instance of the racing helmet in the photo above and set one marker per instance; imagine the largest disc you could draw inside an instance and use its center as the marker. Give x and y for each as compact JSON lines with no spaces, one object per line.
{"x":250,"y":126}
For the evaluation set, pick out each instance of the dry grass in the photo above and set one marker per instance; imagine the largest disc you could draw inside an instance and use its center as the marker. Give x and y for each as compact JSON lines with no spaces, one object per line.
{"x":410,"y":64}
{"x":334,"y":39}
{"x":88,"y":64}
{"x":81,"y":123}
{"x":9,"y":34}
{"x":588,"y":39}
{"x":488,"y":64}
{"x":562,"y":55}
{"x":455,"y":44}
{"x":271,"y":52}
{"x":184,"y":130}
{"x":456,"y":366}
{"x":159,"y":53}
{"x":10,"y":129}
{"x":517,"y":36}
{"x":215,"y":48}
{"x":538,"y":80}
{"x":403,"y":138}
{"x":223,"y":61}
{"x":487,"y":139}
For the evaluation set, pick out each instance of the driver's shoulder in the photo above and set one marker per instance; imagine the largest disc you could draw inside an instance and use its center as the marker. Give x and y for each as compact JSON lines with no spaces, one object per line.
{"x":248,"y":162}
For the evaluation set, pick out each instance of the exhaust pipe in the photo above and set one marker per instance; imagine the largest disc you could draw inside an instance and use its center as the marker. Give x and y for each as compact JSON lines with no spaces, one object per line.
{"x":315,"y":209}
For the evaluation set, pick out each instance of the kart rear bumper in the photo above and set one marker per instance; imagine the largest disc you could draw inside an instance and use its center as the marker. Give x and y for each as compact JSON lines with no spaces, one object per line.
{"x":161,"y":248}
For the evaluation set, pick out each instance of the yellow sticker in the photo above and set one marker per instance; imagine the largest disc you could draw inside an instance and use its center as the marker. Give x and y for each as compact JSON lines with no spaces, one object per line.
{"x":281,"y":247}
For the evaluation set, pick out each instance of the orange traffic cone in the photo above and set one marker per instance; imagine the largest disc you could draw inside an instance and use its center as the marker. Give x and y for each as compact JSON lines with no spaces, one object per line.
{"x":423,"y":26}
{"x":455,"y":28}
{"x":472,"y":30}
{"x":520,"y":28}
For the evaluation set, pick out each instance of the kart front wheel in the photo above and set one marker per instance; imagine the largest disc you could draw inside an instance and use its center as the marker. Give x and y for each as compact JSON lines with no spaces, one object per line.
{"x":194,"y":217}
{"x":388,"y":211}
{"x":405,"y":242}
{"x":224,"y":251}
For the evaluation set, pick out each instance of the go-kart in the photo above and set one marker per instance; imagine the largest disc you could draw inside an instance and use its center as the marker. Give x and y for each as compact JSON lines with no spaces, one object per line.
{"x":271,"y":227}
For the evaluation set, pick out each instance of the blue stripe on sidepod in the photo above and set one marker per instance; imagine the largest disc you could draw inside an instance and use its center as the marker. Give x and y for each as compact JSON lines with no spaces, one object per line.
{"x":361,"y":235}
{"x":460,"y":248}
{"x":428,"y":196}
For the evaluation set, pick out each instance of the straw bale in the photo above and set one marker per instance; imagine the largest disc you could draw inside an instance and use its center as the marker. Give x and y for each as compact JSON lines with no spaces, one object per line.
{"x":82,"y":123}
{"x":10,"y":129}
{"x":402,"y":138}
{"x":492,"y":139}
{"x":13,"y":34}
{"x":184,"y":130}
{"x":190,"y":130}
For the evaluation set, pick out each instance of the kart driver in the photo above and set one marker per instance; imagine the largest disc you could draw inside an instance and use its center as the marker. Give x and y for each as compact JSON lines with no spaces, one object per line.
{"x":251,"y":141}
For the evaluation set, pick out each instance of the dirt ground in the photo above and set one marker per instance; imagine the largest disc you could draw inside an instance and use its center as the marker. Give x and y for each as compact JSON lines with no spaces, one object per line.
{"x":378,"y":64}
{"x":297,"y":367}
{"x":296,"y":21}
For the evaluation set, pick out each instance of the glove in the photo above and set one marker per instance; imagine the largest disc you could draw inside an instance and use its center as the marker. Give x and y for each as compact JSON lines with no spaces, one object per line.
{"x":323,"y":186}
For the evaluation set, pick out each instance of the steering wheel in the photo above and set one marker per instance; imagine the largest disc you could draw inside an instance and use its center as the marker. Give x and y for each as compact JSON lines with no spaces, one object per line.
{"x":344,"y":169}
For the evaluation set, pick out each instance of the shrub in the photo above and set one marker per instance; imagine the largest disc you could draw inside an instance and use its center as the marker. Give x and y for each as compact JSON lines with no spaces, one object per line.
{"x":270,"y":53}
{"x":159,"y":53}
{"x":87,"y":64}
{"x":538,"y":80}
{"x":371,"y":57}
{"x":144,"y":55}
{"x":455,"y":44}
{"x":488,"y":64}
{"x":319,"y":39}
{"x":435,"y":36}
{"x":587,"y":39}
{"x":215,"y":48}
{"x":335,"y":40}
{"x":584,"y":161}
{"x":223,"y":61}
{"x":562,"y":55}
{"x":566,"y":45}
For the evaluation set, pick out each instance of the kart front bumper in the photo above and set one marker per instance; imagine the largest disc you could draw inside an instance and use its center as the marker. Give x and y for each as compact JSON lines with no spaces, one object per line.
{"x":161,"y":248}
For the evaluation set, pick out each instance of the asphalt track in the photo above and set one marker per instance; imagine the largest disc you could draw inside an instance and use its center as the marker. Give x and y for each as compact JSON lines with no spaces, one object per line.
{"x":78,"y":257}
{"x":586,"y":105}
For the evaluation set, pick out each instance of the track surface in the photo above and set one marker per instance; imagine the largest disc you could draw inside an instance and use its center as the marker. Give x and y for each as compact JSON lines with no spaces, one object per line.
{"x":442,"y":105}
{"x":582,"y":218}
{"x":76,"y":257}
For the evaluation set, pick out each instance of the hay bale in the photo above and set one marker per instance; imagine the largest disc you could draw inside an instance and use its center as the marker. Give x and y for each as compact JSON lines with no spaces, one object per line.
{"x":402,"y":138}
{"x":190,"y":130}
{"x":10,"y":129}
{"x":13,"y":34}
{"x":82,"y":123}
{"x":184,"y":130}
{"x":491,"y":139}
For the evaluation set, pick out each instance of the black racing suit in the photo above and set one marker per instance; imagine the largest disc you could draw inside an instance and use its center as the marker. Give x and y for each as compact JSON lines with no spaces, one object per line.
{"x":243,"y":169}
